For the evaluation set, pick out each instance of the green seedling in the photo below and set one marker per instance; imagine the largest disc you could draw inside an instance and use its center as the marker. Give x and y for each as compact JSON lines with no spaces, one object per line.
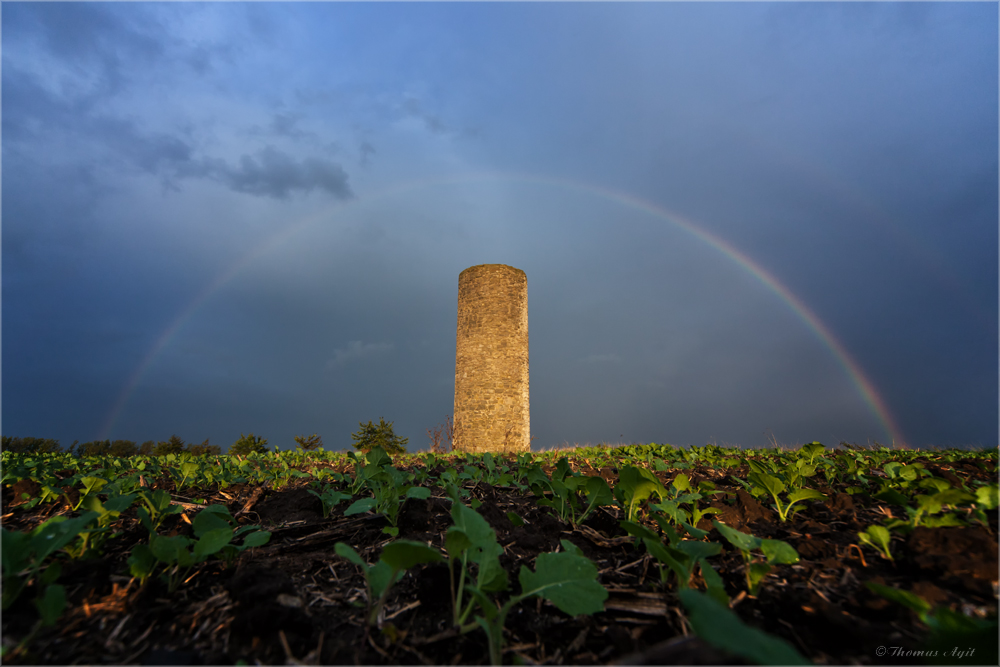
{"x":878,"y":538}
{"x":330,"y":499}
{"x":723,"y":629}
{"x":567,"y":579}
{"x":389,"y":489}
{"x":682,"y":557}
{"x":776,"y":552}
{"x":948,"y":629}
{"x":471,"y":540}
{"x":811,"y":450}
{"x":396,"y":558}
{"x":217,"y":517}
{"x":636,"y":485}
{"x":22,"y":556}
{"x":91,"y":485}
{"x":188,"y":470}
{"x":775,"y":486}
{"x":157,"y":508}
{"x":91,"y":539}
{"x":565,"y":487}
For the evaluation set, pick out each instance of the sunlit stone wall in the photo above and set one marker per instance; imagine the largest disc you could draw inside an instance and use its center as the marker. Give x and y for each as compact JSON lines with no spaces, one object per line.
{"x":491,"y":361}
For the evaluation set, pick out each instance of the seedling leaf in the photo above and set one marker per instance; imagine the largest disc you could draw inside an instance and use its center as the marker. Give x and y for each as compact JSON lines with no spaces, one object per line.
{"x":721,"y":628}
{"x":567,"y":580}
{"x":404,"y":554}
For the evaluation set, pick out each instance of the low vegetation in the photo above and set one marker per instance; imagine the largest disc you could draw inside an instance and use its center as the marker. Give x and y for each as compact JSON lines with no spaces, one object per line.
{"x":646,"y":554}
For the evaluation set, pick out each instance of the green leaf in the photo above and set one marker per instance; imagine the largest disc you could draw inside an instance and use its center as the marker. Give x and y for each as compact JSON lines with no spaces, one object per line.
{"x":212,"y":541}
{"x":905,"y":598}
{"x":892,"y":496}
{"x":169,"y":549}
{"x":418,"y":492}
{"x":56,"y":533}
{"x":714,"y":584}
{"x":378,"y":456}
{"x":721,"y":628}
{"x":804,"y":494}
{"x":51,"y":604}
{"x":256,"y":539}
{"x":119,"y":503}
{"x":141,"y":562}
{"x":345,"y":551}
{"x":699,"y":550}
{"x":696,"y":533}
{"x":566,"y":580}
{"x":380,"y":578}
{"x":359,"y":506}
{"x":206,"y":521}
{"x":638,"y":530}
{"x":682,"y":482}
{"x":15,"y":550}
{"x":772,"y":484}
{"x":404,"y":554}
{"x":456,"y":542}
{"x":988,"y":497}
{"x":739,"y":540}
{"x":779,"y":552}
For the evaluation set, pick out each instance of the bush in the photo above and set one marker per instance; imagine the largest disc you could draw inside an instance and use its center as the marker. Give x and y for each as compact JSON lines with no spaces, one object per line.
{"x":172,"y":446}
{"x":381,"y":435}
{"x":205,"y":448}
{"x":309,"y":444}
{"x":29,"y":445}
{"x":248,"y":444}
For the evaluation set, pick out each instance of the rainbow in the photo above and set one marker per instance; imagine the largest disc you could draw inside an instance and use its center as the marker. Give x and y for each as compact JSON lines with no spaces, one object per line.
{"x":866,"y":389}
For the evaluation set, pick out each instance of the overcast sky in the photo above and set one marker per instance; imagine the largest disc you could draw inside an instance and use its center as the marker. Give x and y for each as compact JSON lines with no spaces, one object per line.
{"x":738,"y":222}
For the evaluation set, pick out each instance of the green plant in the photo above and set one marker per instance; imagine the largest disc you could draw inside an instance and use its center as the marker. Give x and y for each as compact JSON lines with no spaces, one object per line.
{"x":878,"y":538}
{"x":634,"y":486}
{"x":248,"y":444}
{"x":388,"y":486}
{"x":470,"y":539}
{"x":158,"y":508}
{"x":565,"y":485}
{"x":213,"y":527}
{"x":775,"y":485}
{"x":948,"y":629}
{"x":308,"y":444}
{"x":91,"y":539}
{"x":720,"y":627}
{"x":217,"y":517}
{"x":681,"y":557}
{"x":776,"y":552}
{"x":91,"y":485}
{"x":23,"y":554}
{"x":567,"y":579}
{"x":396,"y":557}
{"x":371,"y":435}
{"x":330,"y":498}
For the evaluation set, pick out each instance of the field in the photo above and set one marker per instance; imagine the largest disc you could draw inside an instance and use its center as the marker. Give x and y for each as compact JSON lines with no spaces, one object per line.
{"x":644,"y":554}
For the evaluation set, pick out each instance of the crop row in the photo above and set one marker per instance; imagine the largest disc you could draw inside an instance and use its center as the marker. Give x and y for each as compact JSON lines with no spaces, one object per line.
{"x":661,"y":516}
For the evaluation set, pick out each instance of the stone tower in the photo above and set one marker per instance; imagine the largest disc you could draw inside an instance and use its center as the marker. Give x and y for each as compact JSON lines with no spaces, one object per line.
{"x":491,"y":361}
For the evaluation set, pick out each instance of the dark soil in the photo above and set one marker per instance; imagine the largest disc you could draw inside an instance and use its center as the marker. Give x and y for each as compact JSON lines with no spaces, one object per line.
{"x":293,"y":601}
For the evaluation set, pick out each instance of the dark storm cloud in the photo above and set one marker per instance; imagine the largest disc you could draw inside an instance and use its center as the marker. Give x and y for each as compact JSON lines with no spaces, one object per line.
{"x":272,"y":173}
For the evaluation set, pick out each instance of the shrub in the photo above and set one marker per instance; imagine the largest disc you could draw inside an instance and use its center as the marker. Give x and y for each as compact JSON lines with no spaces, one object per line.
{"x":248,"y":444}
{"x":309,"y":444}
{"x":372,"y":435}
{"x":95,"y":448}
{"x":30,"y":445}
{"x":205,"y":448}
{"x":172,"y":446}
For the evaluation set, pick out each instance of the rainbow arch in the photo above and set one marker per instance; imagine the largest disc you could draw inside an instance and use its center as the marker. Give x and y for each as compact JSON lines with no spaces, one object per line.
{"x":865,"y":387}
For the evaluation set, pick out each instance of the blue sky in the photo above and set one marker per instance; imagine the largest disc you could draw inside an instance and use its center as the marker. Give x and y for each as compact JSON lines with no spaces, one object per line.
{"x":738,"y":222}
